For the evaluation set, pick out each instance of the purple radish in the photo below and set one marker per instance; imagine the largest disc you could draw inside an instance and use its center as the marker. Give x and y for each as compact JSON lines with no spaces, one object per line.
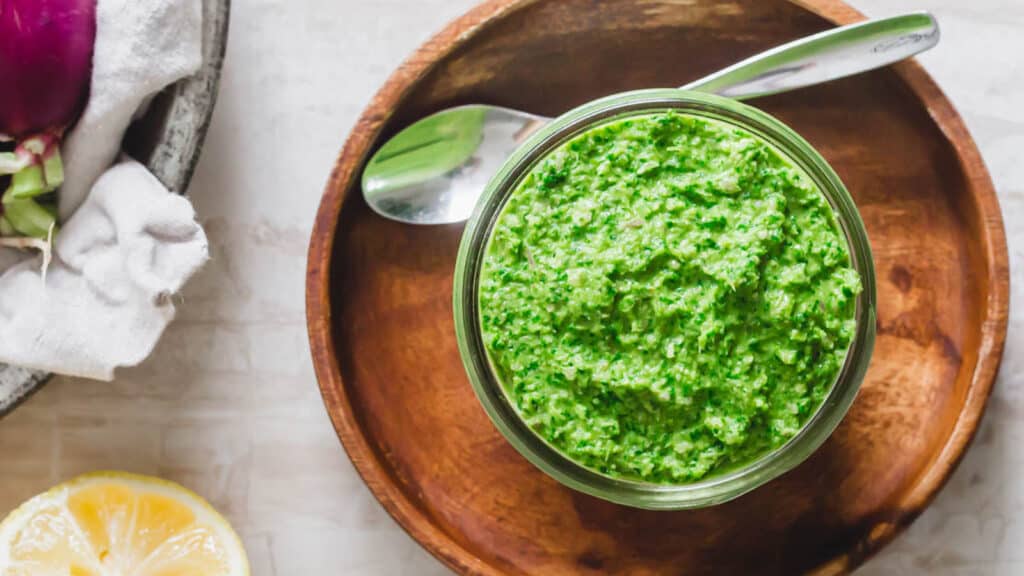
{"x":46,"y":49}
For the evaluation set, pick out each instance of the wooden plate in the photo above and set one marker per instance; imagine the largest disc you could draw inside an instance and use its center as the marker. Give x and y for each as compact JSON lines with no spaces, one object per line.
{"x":380,"y":318}
{"x":168,"y":140}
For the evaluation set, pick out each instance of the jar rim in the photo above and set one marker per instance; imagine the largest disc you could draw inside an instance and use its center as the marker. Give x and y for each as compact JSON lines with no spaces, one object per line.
{"x":717,"y":488}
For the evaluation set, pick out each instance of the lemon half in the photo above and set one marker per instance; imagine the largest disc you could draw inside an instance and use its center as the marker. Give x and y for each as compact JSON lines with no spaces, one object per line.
{"x":119,"y":524}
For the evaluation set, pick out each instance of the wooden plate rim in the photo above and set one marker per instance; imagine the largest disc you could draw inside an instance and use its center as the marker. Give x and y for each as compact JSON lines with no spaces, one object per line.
{"x":319,"y":312}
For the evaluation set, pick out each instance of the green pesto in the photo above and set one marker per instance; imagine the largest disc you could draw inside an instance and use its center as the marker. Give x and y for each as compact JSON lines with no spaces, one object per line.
{"x":666,"y":297}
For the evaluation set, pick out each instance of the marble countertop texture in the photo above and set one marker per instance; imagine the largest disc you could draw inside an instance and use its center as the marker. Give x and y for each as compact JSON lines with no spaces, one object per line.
{"x":228,"y":403}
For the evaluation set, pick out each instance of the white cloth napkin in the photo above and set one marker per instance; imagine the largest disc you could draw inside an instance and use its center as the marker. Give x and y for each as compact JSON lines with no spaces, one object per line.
{"x":128,"y":244}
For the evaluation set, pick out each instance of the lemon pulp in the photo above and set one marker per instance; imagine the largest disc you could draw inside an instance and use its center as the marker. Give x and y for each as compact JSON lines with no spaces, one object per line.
{"x":118,"y":524}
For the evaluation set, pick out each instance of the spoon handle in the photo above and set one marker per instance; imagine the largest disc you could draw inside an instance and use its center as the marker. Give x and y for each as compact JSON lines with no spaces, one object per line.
{"x":826,"y":56}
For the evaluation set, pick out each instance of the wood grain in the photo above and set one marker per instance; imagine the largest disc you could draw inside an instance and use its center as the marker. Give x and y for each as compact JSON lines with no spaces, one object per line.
{"x":380,"y":318}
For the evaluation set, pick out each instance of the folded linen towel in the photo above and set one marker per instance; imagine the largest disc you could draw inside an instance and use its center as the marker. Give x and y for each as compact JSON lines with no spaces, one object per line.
{"x":127,"y":244}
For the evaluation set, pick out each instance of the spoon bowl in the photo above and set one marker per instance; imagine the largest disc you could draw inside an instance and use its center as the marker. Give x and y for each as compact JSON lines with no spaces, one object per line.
{"x":426,"y":173}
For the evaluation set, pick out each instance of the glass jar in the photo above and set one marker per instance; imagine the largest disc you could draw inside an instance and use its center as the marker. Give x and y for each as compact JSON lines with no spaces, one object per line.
{"x":717,"y":488}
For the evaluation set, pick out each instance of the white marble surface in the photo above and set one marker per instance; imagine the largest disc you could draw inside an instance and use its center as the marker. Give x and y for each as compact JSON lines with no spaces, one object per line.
{"x":228,"y":404}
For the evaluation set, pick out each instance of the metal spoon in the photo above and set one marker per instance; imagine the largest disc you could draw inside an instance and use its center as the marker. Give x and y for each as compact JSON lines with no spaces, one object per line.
{"x":433,"y":171}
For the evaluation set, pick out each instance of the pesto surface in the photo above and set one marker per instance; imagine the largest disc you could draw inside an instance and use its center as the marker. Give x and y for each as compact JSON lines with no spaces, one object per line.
{"x":666,"y":297}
